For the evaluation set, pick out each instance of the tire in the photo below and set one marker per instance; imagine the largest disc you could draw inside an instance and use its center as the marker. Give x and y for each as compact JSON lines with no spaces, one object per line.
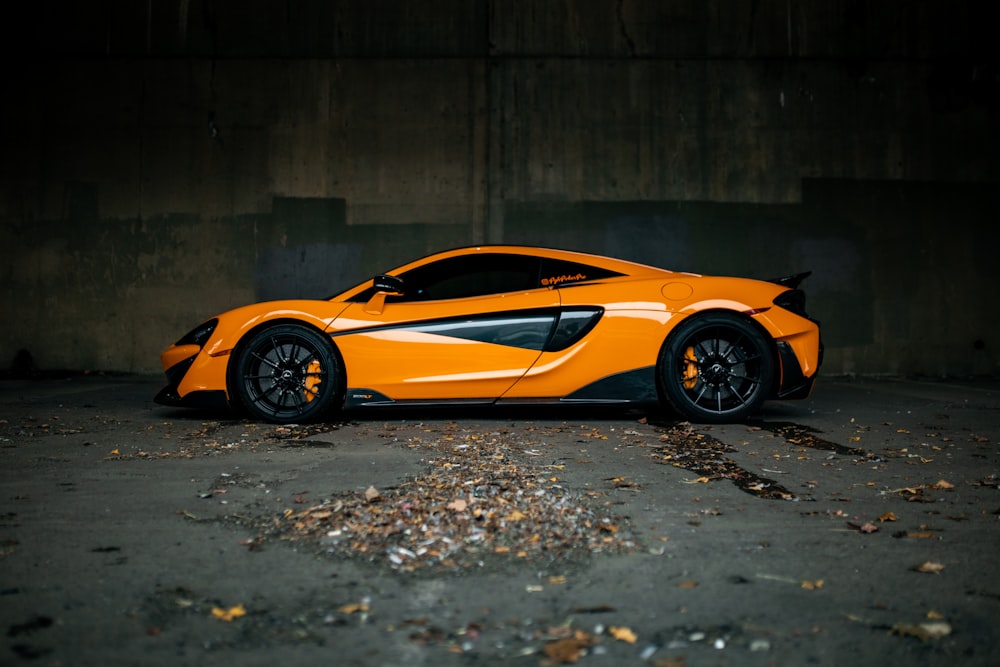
{"x":286,"y":374}
{"x":716,"y":368}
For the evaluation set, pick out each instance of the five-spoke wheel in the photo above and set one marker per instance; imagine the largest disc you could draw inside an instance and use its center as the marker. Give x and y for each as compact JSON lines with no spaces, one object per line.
{"x":716,"y":368}
{"x":286,"y":374}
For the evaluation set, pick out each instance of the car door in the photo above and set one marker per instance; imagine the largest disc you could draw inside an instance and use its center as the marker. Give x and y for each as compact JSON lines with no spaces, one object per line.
{"x":464,"y":329}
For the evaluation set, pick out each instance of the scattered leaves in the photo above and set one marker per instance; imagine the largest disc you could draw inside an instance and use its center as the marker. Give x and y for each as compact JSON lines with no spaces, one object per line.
{"x":481,"y":494}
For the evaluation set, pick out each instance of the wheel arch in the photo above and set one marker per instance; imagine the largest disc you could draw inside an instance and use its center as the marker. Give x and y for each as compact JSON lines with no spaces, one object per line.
{"x":771,"y":343}
{"x":247,"y":335}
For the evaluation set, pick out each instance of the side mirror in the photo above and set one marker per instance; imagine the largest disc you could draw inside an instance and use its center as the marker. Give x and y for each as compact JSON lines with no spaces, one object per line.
{"x":384,"y":285}
{"x":390,"y":284}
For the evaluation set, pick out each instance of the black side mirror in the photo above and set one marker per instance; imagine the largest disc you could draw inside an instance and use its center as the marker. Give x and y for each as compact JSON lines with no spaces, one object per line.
{"x":390,"y":284}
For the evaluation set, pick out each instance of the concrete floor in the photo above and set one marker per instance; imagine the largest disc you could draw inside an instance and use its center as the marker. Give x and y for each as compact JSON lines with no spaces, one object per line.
{"x":129,"y":531}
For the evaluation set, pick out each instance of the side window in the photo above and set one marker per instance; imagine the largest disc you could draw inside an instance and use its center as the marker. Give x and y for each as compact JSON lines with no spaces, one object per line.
{"x":471,"y":275}
{"x":466,"y":276}
{"x":557,"y":272}
{"x":489,"y":273}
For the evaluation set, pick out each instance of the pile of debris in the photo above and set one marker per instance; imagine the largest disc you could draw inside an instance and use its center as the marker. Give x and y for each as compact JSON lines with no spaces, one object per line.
{"x":483,"y":496}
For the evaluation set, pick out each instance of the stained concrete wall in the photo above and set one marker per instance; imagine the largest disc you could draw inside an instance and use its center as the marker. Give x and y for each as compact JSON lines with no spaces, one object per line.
{"x":167,"y":160}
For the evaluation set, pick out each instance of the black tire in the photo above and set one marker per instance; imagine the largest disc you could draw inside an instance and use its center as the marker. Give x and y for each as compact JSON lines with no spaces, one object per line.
{"x":716,"y":368}
{"x":286,"y":374}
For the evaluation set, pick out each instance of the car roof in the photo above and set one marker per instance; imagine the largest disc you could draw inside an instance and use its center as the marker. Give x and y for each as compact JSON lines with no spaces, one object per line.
{"x":618,"y":265}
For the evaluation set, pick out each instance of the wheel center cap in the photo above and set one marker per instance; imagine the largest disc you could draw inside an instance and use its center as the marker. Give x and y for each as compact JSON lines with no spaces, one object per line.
{"x":716,"y":373}
{"x":287,"y":375}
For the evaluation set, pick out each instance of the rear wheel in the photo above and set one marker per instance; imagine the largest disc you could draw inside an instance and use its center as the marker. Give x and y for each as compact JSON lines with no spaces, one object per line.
{"x":286,"y":374}
{"x":716,"y":368}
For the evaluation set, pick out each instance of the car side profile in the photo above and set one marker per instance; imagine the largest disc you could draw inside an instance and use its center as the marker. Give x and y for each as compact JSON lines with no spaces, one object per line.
{"x":507,"y":325}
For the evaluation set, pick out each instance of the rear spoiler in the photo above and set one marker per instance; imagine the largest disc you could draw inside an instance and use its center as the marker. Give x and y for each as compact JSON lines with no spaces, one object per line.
{"x":791,"y":282}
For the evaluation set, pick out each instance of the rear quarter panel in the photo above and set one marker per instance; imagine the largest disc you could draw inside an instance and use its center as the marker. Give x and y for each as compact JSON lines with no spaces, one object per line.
{"x":628,"y":337}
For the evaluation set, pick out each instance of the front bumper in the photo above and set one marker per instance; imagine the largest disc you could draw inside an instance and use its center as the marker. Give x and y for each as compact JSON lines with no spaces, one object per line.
{"x":174,"y":395}
{"x":210,"y":400}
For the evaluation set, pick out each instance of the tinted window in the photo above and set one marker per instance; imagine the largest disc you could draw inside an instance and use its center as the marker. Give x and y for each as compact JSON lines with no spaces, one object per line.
{"x":489,"y":273}
{"x":467,"y":276}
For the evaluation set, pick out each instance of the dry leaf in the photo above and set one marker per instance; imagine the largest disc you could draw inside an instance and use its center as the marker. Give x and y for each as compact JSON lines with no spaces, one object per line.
{"x":927,"y":567}
{"x":888,"y":516}
{"x":599,"y":609}
{"x":569,"y":650}
{"x":371,"y":493}
{"x":564,"y":651}
{"x":228,"y":615}
{"x":942,"y":485}
{"x":812,"y":585}
{"x":353,"y":608}
{"x":923,"y":631}
{"x":868,"y":527}
{"x":458,"y":505}
{"x":700,"y":480}
{"x":687,"y":584}
{"x":670,"y":662}
{"x":623,"y":634}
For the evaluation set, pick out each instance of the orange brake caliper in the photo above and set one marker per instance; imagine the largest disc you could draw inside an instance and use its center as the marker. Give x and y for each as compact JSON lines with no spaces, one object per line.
{"x":312,"y":379}
{"x":690,"y":369}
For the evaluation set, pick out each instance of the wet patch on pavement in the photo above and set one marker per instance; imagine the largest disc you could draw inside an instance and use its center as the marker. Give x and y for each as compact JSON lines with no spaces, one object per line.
{"x":805,"y":436}
{"x":684,"y":446}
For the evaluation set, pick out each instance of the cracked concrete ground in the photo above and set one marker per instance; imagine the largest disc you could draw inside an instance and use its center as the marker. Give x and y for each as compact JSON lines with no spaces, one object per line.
{"x":132,"y":534}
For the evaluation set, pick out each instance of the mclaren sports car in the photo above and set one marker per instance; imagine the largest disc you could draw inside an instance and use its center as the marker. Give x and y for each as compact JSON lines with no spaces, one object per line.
{"x":507,"y":325}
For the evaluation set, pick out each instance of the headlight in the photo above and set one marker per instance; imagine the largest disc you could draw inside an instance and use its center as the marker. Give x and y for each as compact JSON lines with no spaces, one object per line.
{"x":200,"y":334}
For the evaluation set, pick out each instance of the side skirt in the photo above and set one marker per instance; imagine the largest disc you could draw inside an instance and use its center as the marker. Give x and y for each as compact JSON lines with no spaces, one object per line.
{"x":636,"y":386}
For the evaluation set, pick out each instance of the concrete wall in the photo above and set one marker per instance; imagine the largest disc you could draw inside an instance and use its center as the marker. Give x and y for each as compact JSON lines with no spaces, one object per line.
{"x":164,"y":161}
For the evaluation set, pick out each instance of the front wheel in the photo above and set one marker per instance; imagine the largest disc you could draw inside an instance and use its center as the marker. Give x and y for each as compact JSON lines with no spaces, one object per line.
{"x":716,"y":368}
{"x":286,"y":374}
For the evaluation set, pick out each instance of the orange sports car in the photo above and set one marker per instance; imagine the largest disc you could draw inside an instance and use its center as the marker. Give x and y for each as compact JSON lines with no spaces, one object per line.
{"x":507,"y":325}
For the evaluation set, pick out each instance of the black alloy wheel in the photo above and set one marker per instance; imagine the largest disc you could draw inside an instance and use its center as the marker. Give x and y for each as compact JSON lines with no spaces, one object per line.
{"x":716,"y":368}
{"x":286,"y":374}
